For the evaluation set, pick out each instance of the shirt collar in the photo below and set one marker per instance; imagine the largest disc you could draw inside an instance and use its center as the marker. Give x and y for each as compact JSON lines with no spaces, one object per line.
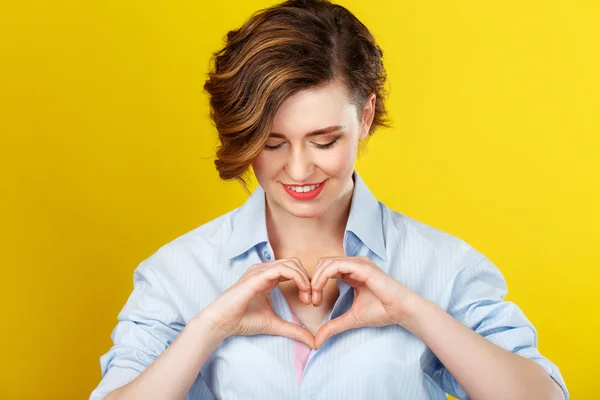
{"x":249,"y":225}
{"x":366,"y":218}
{"x":365,"y":221}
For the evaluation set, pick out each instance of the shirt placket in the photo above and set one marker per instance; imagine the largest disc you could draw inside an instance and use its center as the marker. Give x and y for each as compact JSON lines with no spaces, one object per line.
{"x":267,"y":255}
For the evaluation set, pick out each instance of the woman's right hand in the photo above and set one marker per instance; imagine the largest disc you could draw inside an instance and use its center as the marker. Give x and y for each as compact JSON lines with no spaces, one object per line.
{"x":245,"y":308}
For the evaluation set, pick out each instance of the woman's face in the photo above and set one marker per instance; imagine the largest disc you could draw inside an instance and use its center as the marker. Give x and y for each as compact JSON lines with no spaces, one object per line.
{"x":312,"y":149}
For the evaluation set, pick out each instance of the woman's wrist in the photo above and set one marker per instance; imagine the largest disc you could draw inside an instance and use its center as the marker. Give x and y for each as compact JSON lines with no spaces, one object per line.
{"x":205,"y":328}
{"x":418,"y":311}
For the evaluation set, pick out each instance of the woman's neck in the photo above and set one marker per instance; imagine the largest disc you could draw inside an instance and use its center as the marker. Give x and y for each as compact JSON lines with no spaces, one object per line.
{"x":291,"y":234}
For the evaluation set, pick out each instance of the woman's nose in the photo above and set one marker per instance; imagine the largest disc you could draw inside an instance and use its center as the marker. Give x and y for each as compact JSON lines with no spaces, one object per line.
{"x":299,"y":165}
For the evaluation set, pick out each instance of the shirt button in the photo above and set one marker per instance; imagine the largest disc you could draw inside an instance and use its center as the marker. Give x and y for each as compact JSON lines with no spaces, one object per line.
{"x":267,"y":255}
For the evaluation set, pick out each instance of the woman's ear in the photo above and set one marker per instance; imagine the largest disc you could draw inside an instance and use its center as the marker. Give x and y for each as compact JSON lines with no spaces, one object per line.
{"x":367,"y":116}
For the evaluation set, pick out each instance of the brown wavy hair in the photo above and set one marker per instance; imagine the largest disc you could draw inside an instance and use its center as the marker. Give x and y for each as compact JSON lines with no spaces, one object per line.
{"x":280,"y":50}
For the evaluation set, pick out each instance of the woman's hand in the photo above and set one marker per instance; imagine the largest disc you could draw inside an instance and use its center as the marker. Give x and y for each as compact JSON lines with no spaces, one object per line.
{"x":245,"y":307}
{"x":379,"y":299}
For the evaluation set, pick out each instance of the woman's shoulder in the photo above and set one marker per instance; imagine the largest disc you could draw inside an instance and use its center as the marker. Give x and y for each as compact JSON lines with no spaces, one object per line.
{"x":195,"y":245}
{"x":409,"y":233}
{"x":411,"y":227}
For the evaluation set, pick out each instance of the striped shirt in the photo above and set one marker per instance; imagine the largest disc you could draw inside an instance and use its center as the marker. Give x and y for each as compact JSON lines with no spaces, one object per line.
{"x":185,"y":275}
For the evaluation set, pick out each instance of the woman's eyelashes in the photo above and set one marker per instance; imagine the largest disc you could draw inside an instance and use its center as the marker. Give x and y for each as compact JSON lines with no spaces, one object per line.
{"x":317,"y":145}
{"x":326,"y":146}
{"x":271,"y":148}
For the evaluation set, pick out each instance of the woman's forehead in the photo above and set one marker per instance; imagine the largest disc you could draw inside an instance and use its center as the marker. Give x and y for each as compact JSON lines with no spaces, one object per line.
{"x":313,"y":109}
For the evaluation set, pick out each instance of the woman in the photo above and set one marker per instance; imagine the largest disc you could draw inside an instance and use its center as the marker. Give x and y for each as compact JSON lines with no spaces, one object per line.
{"x":314,"y":289}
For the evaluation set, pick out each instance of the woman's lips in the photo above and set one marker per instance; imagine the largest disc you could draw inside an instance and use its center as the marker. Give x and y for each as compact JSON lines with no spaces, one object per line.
{"x":305,"y":195}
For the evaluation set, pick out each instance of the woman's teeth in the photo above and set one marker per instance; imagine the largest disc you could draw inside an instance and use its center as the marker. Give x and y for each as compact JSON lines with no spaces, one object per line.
{"x":303,"y":189}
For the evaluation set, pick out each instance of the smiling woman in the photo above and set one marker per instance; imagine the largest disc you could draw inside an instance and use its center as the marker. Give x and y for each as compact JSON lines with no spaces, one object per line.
{"x":316,"y":165}
{"x":313,"y":288}
{"x":280,"y":52}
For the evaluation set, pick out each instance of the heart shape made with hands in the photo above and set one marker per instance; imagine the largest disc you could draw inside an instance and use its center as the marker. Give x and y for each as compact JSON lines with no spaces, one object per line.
{"x":379,"y":299}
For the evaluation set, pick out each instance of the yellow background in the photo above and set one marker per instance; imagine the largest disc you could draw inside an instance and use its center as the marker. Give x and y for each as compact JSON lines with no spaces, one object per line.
{"x":106,"y":154}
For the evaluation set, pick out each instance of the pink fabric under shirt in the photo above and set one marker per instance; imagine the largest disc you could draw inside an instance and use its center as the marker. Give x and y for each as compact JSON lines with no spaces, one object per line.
{"x":301,"y":353}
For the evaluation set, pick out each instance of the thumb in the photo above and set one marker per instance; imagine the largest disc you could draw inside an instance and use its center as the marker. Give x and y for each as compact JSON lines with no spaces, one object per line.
{"x":333,"y":327}
{"x":292,"y":331}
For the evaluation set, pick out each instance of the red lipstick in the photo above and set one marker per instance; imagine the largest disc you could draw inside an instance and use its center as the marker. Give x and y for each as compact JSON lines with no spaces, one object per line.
{"x":305,"y":195}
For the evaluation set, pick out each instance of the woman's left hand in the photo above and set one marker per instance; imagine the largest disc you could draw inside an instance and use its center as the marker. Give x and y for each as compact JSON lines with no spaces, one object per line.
{"x":379,"y":299}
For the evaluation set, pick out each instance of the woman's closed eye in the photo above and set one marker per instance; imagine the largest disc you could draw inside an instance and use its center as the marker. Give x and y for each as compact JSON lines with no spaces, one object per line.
{"x":317,"y":145}
{"x":326,"y":145}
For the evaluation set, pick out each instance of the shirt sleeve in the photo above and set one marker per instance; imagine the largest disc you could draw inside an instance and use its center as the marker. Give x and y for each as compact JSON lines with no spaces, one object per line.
{"x":147,"y":325}
{"x":477,"y":300}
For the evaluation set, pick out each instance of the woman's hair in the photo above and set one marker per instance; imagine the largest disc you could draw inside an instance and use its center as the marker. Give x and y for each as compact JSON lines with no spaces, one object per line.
{"x":279,"y":51}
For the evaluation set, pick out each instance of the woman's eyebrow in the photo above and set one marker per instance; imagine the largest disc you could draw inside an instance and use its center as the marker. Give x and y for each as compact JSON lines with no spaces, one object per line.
{"x":323,"y":131}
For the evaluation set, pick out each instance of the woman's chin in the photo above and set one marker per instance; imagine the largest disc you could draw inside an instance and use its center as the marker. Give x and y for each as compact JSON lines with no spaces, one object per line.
{"x":304,"y":210}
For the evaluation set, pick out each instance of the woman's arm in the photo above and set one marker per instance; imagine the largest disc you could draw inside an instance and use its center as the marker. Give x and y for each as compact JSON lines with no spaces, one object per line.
{"x":472,"y":340}
{"x":173,"y":373}
{"x":243,"y":309}
{"x":484,"y":370}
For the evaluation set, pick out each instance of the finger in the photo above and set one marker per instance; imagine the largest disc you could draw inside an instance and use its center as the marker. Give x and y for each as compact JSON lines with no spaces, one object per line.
{"x":303,"y":292}
{"x":316,"y":293}
{"x":320,"y":264}
{"x":293,"y":331}
{"x":361,"y":270}
{"x":300,"y":266}
{"x":260,"y":278}
{"x":268,"y":278}
{"x":254,"y":269}
{"x":356,"y":271}
{"x":350,"y":269}
{"x":293,"y":264}
{"x":305,"y":297}
{"x":333,"y":327}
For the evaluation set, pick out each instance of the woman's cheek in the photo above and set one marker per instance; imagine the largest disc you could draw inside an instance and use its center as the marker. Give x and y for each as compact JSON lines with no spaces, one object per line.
{"x":338,"y":161}
{"x":265,"y":165}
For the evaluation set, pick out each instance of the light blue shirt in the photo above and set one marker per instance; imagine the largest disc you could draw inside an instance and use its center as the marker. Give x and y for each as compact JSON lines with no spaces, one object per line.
{"x":184,"y":276}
